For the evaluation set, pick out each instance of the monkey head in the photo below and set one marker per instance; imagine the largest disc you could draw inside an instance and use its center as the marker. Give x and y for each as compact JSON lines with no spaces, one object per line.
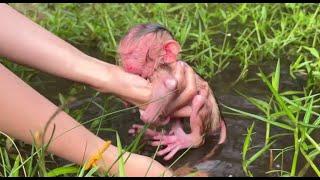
{"x":145,"y":47}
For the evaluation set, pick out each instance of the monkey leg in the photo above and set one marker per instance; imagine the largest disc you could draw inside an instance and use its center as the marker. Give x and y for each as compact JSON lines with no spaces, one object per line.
{"x":196,"y":121}
{"x":177,"y":139}
{"x":163,"y":93}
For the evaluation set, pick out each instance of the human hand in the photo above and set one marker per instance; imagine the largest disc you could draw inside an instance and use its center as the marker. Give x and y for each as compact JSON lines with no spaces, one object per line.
{"x":136,"y":90}
{"x":192,"y":84}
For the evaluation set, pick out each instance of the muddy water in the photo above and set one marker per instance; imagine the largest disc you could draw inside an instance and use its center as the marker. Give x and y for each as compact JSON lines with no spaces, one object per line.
{"x":228,"y":161}
{"x":225,"y":163}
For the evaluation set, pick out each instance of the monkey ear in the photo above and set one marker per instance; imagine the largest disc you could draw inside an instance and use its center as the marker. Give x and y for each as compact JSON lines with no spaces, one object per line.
{"x":172,"y":49}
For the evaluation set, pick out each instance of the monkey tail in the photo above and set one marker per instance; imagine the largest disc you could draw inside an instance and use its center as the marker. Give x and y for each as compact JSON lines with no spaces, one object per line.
{"x":219,"y":146}
{"x":223,"y":132}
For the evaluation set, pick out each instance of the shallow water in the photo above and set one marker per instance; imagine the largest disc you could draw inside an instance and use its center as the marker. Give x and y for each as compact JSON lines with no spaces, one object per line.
{"x":228,"y":161}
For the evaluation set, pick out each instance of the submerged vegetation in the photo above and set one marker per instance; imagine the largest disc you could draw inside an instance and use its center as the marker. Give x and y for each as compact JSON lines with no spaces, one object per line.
{"x":212,"y":36}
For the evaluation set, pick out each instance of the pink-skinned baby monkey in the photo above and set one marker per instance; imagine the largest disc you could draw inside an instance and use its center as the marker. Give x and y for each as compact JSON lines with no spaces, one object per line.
{"x":150,"y":51}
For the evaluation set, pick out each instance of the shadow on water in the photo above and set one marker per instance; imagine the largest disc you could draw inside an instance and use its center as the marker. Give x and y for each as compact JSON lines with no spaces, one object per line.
{"x":228,"y":161}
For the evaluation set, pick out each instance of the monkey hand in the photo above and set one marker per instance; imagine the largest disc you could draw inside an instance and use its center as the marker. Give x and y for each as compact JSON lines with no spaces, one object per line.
{"x":148,"y":134}
{"x":176,"y":140}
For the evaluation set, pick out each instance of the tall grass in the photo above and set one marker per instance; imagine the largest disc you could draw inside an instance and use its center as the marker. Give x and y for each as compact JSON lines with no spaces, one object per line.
{"x":212,"y":35}
{"x":296,"y":116}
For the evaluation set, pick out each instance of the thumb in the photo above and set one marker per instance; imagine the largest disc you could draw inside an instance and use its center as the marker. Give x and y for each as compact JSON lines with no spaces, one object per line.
{"x":171,"y":84}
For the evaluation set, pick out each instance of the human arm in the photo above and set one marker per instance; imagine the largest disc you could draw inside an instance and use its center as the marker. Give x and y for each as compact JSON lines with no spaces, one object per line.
{"x":27,"y":43}
{"x":24,"y":112}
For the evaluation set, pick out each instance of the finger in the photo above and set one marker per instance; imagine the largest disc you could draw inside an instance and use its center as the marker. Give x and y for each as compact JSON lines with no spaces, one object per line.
{"x":156,"y":143}
{"x":132,"y":131}
{"x":179,"y":75}
{"x":164,"y":122}
{"x":204,"y":89}
{"x":166,"y":150}
{"x":205,"y":110}
{"x":172,"y":153}
{"x":188,"y":93}
{"x":209,"y":102}
{"x":183,"y":112}
{"x":137,"y":126}
{"x":166,"y":139}
{"x":148,"y":132}
{"x":203,"y":115}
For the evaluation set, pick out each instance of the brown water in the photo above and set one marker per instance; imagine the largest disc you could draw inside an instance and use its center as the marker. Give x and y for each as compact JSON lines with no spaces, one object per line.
{"x":228,"y":161}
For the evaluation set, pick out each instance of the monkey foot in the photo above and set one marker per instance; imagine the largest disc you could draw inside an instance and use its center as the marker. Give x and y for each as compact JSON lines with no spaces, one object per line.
{"x":173,"y":141}
{"x":148,"y":134}
{"x":176,"y":140}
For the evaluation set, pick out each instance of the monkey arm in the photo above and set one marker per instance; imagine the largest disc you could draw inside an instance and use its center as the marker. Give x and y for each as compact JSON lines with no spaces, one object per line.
{"x":177,"y":139}
{"x":187,"y":87}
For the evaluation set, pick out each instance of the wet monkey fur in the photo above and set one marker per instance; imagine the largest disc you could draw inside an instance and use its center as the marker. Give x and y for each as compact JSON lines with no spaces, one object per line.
{"x":150,"y":51}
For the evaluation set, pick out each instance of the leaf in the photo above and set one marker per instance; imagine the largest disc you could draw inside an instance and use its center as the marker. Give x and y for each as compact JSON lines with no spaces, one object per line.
{"x":284,"y":126}
{"x":92,"y":170}
{"x":259,"y":153}
{"x":121,"y":162}
{"x":278,"y":98}
{"x":314,"y":167}
{"x":90,"y":26}
{"x":291,"y":93}
{"x":15,"y":166}
{"x":313,"y":51}
{"x":245,"y":148}
{"x":247,"y":140}
{"x":62,"y":99}
{"x":62,"y":170}
{"x":276,"y":77}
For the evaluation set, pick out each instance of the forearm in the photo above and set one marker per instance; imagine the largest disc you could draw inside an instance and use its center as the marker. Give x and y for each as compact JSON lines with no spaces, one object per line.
{"x":27,"y":43}
{"x":24,"y":111}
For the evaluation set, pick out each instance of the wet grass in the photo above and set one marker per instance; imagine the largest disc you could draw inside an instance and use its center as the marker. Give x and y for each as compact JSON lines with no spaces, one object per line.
{"x":296,"y":113}
{"x":212,"y":36}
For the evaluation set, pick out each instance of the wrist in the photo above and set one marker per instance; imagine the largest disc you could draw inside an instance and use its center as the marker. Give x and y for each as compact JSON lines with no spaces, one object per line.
{"x":109,"y":78}
{"x":93,"y":72}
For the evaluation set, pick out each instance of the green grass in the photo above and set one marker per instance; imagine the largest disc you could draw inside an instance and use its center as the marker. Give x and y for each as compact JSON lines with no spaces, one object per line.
{"x":297,"y":116}
{"x":212,"y":36}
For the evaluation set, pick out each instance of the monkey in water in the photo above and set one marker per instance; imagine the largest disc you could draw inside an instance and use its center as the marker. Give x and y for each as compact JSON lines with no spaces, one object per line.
{"x":150,"y":51}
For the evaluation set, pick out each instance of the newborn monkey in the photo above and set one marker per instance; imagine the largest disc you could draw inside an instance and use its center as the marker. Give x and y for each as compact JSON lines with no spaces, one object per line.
{"x":150,"y":51}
